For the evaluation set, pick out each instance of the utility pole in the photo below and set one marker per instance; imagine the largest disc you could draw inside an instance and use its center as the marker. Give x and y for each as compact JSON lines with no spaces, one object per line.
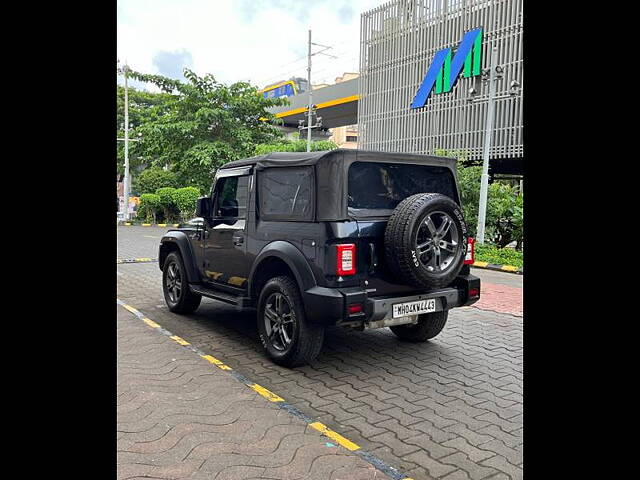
{"x":126,"y":143}
{"x":488,"y":133}
{"x":309,"y":113}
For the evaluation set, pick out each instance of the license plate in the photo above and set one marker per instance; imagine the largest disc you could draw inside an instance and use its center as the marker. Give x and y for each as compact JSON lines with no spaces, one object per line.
{"x":414,"y":308}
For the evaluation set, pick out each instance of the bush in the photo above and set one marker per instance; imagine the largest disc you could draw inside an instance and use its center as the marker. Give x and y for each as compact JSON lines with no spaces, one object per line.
{"x":500,"y":256}
{"x":149,"y":206}
{"x":185,"y":200}
{"x":167,"y":204}
{"x":153,"y":178}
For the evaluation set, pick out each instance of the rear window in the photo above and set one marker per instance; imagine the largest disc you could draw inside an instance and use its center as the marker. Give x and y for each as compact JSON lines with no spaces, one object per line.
{"x":286,"y":193}
{"x":377,"y":188}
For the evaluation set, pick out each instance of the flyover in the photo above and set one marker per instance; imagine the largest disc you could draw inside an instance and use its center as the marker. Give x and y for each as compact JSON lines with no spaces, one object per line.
{"x":337,"y":105}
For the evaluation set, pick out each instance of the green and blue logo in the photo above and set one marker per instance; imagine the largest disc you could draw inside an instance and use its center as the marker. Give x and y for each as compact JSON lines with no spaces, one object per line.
{"x":444,"y":69}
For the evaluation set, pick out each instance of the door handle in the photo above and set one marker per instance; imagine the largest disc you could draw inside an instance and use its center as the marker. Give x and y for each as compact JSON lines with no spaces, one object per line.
{"x":238,"y":240}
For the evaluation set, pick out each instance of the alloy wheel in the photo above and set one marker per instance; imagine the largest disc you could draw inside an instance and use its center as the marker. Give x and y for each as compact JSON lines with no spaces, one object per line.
{"x":437,"y":242}
{"x":279,"y":321}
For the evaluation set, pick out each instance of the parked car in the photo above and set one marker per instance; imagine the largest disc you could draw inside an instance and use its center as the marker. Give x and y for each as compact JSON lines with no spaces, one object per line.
{"x":353,"y":238}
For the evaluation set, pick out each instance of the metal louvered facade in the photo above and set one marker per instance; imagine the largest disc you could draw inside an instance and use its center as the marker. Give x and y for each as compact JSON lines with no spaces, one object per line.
{"x":398,"y":41}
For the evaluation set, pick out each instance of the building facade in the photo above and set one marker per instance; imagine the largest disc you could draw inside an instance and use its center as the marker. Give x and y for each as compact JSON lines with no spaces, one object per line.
{"x":399,"y":41}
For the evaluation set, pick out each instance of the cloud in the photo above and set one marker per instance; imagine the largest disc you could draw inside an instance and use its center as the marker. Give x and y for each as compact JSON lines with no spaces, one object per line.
{"x":171,"y":64}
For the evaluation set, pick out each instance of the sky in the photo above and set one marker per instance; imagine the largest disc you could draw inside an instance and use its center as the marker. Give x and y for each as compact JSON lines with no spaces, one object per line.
{"x":259,"y":41}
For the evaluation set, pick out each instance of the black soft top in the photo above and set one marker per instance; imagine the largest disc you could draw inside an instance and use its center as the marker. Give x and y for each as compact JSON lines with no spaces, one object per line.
{"x":296,"y":159}
{"x":330,"y":168}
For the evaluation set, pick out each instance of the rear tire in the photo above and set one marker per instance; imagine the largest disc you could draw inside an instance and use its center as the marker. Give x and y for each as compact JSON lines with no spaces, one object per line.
{"x":429,"y":325}
{"x":288,"y":337}
{"x":175,"y":286}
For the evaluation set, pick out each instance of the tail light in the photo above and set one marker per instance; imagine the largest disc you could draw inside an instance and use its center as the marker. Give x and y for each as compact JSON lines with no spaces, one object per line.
{"x":346,"y":259}
{"x":471,"y":252}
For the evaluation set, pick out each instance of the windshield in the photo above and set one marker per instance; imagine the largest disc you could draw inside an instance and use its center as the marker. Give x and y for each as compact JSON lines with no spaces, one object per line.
{"x":377,"y":188}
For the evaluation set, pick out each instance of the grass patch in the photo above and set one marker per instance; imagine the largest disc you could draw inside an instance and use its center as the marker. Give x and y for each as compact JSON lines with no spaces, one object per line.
{"x":500,"y":256}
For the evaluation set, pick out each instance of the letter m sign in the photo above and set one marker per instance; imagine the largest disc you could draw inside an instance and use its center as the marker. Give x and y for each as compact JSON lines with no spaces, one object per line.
{"x":444,"y":70}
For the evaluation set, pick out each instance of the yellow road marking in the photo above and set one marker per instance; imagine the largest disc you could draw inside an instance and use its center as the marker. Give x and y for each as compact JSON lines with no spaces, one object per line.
{"x":162,"y":224}
{"x":151,"y":323}
{"x":143,"y":259}
{"x":269,"y":395}
{"x":216,"y":362}
{"x":146,"y":224}
{"x":131,"y":309}
{"x":509,"y":268}
{"x":480,"y":264}
{"x":181,"y":341}
{"x":348,"y":444}
{"x":127,"y":224}
{"x":176,"y":224}
{"x":149,"y":236}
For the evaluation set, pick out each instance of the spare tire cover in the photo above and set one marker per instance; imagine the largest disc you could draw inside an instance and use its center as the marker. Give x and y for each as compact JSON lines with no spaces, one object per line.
{"x":426,"y":240}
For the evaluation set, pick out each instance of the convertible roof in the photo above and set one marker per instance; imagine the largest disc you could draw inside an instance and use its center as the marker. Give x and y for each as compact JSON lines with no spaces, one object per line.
{"x":289,"y":159}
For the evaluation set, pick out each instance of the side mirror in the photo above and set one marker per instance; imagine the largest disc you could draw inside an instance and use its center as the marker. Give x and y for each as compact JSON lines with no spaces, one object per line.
{"x":203,"y":207}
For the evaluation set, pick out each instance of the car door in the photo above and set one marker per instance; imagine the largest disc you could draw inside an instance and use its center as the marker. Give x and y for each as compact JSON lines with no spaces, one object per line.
{"x":225,"y":263}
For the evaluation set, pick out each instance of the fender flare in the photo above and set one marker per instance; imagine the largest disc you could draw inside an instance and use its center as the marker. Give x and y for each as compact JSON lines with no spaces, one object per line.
{"x":183,"y":244}
{"x":294,"y":259}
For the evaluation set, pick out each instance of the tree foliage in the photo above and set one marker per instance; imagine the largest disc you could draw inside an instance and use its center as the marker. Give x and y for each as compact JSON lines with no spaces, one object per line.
{"x":298,"y":145}
{"x":185,"y":200}
{"x":203,"y":124}
{"x":149,"y":205}
{"x":153,"y":178}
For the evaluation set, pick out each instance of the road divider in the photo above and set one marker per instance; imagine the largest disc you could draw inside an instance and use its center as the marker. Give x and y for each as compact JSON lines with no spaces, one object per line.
{"x":136,"y":260}
{"x":277,"y":400}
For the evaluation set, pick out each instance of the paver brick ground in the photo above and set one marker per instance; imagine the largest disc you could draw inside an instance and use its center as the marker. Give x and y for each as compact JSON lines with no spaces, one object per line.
{"x":180,"y":417}
{"x":448,"y":408}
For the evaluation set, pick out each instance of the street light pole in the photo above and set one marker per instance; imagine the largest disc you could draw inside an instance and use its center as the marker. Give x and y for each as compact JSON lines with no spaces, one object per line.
{"x":309,"y":113}
{"x":488,"y":133}
{"x":126,"y":144}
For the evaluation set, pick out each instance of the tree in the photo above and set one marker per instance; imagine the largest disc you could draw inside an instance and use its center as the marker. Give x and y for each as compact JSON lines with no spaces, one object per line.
{"x":185,"y":200}
{"x":149,"y":204}
{"x":143,"y":107}
{"x":298,"y":145}
{"x":202,"y":124}
{"x":166,"y":195}
{"x":153,"y":178}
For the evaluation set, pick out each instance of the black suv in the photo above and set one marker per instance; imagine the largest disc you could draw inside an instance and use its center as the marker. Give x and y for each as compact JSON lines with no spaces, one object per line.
{"x":353,"y":238}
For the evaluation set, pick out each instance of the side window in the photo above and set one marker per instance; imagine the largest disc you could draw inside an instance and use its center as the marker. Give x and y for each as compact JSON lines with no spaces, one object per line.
{"x":232,"y":197}
{"x":286,"y":193}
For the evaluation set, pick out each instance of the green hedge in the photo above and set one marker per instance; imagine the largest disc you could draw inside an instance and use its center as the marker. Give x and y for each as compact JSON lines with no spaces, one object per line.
{"x":500,"y":256}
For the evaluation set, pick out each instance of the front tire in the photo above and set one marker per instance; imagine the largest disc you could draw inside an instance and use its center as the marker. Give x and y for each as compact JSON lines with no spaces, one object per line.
{"x":288,"y":337}
{"x":175,"y":286}
{"x":429,"y":325}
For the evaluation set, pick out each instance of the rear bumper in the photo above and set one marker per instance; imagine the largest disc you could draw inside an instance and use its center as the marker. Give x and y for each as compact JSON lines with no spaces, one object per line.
{"x":328,"y":306}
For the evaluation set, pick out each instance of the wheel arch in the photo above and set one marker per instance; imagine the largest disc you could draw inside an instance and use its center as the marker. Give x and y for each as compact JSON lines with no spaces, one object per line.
{"x":178,"y":241}
{"x":280,"y":258}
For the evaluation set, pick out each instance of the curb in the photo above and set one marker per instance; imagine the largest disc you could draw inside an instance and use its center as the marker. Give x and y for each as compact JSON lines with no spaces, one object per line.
{"x":499,"y":268}
{"x":138,"y":224}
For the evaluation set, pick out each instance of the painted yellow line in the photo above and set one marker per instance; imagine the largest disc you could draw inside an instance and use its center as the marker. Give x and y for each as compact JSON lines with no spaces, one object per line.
{"x":131,"y":309}
{"x":151,"y":323}
{"x":216,"y":362}
{"x":176,"y":224}
{"x":509,"y":268}
{"x":143,"y":259}
{"x":146,"y":224}
{"x":127,"y":224}
{"x":162,"y":224}
{"x":269,"y":395}
{"x":348,"y":444}
{"x":330,"y":103}
{"x":181,"y":341}
{"x":480,"y":264}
